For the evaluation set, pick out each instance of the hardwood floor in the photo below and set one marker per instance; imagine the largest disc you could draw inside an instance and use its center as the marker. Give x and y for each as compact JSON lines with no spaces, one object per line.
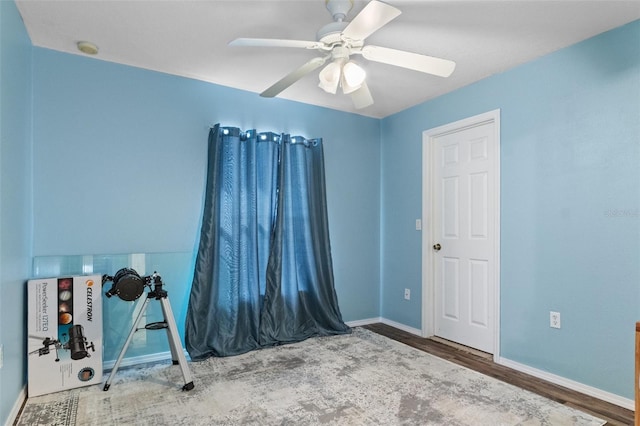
{"x":479,"y":361}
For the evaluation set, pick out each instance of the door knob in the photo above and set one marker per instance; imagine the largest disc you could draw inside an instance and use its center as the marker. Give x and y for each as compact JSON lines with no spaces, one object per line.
{"x":437,"y":247}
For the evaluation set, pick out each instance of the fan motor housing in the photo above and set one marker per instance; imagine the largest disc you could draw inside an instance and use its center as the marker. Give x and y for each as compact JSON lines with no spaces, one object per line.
{"x":330,"y":33}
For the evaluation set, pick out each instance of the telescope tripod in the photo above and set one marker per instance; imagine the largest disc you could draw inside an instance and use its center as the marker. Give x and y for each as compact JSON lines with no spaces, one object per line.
{"x":169,"y":324}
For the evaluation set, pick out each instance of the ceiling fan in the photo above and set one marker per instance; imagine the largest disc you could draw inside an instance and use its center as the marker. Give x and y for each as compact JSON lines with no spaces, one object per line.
{"x":337,"y":41}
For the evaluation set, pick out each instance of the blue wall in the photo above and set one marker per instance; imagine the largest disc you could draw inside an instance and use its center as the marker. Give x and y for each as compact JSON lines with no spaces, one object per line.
{"x":570,"y":206}
{"x":120,"y":157}
{"x":15,"y":199}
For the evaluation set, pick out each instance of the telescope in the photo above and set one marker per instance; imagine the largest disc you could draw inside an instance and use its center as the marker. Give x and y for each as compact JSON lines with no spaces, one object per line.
{"x":128,"y":285}
{"x":76,"y":344}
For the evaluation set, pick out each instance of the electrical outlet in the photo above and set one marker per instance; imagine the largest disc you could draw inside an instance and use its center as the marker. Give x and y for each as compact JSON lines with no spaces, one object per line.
{"x":1,"y":355}
{"x":554,"y":319}
{"x":418,"y":224}
{"x":407,"y":294}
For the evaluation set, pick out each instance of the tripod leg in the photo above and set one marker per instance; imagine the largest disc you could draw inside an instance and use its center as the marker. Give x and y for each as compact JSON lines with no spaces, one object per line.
{"x":144,"y":303}
{"x":174,"y":343}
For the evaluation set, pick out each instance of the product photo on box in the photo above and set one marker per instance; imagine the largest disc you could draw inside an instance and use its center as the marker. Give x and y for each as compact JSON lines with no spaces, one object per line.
{"x":64,"y":333}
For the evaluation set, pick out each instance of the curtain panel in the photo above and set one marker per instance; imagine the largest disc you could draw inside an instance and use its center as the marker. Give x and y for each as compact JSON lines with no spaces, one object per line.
{"x":263,"y":274}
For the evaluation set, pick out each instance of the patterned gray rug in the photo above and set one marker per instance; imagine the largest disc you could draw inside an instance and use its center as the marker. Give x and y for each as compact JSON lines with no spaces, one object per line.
{"x":357,"y":379}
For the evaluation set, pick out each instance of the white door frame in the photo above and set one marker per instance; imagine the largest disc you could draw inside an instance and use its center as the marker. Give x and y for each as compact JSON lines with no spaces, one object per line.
{"x":428,"y":279}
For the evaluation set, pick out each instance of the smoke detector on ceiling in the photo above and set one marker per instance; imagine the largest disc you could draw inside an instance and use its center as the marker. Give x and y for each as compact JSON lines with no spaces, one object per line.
{"x":87,"y":47}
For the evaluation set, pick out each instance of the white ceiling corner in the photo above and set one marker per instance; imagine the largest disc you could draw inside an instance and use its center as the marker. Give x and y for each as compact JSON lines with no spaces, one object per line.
{"x":189,"y":38}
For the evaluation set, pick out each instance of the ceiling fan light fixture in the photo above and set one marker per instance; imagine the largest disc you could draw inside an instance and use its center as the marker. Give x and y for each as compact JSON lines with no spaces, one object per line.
{"x":330,"y":77}
{"x":340,"y":39}
{"x":352,"y":77}
{"x":362,"y":97}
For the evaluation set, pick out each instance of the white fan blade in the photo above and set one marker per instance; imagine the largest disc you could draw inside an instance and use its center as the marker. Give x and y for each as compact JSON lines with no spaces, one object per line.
{"x":413,"y":61}
{"x":362,"y":97}
{"x":374,"y":16}
{"x":275,"y":42}
{"x":294,"y":76}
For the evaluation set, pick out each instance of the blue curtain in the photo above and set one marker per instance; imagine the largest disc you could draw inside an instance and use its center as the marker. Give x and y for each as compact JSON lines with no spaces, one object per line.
{"x":263,"y":273}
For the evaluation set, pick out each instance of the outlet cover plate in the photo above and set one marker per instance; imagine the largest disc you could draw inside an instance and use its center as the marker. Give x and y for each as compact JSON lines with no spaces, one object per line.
{"x":554,"y":319}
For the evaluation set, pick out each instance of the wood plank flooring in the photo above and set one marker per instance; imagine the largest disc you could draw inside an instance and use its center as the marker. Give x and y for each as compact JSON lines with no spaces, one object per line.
{"x":479,"y":361}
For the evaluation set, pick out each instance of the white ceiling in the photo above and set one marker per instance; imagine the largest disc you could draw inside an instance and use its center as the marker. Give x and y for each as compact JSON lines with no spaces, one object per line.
{"x":189,"y":38}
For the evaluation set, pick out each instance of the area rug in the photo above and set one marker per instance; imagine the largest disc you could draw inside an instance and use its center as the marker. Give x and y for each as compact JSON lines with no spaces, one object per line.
{"x":357,"y":379}
{"x":54,"y":409}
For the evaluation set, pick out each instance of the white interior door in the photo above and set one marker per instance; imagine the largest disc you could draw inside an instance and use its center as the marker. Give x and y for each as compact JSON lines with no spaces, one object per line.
{"x":464,"y":211}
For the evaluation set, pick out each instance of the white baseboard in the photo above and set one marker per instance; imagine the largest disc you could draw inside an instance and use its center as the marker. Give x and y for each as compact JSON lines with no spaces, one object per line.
{"x":394,"y":324}
{"x":13,"y":415}
{"x":568,"y":383}
{"x":359,"y":323}
{"x":402,"y":327}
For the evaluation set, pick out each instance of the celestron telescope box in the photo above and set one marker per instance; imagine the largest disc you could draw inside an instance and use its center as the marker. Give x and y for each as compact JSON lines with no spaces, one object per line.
{"x":64,"y":324}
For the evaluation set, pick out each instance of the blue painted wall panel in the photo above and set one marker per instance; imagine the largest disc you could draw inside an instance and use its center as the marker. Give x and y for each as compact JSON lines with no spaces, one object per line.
{"x":570,"y":213}
{"x":15,"y":200}
{"x":120,"y":160}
